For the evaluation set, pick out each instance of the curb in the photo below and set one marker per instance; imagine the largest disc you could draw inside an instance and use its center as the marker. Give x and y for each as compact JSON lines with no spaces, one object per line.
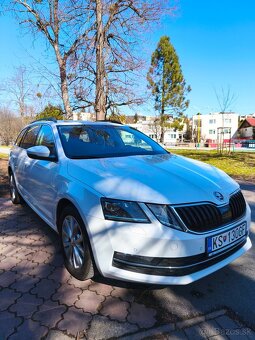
{"x":168,"y":328}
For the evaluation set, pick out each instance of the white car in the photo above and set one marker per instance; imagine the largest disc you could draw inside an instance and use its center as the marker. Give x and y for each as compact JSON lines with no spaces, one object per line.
{"x":125,"y":207}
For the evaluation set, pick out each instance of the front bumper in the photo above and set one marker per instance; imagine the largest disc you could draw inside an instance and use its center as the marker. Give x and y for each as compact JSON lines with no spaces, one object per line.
{"x":171,"y":266}
{"x":126,"y":275}
{"x":155,"y":254}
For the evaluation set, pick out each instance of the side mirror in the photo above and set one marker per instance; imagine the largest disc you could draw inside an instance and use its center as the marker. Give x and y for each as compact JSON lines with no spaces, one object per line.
{"x":40,"y":152}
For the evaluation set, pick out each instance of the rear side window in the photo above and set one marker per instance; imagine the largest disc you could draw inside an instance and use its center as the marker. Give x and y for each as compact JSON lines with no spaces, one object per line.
{"x":46,"y":138}
{"x":30,"y":137}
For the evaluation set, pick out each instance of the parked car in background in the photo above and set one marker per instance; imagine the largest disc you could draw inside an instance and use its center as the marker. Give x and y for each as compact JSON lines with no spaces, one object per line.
{"x":124,"y":206}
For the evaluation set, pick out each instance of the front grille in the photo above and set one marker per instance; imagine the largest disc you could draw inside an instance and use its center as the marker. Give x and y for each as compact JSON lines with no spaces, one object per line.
{"x":207,"y":217}
{"x":237,"y":205}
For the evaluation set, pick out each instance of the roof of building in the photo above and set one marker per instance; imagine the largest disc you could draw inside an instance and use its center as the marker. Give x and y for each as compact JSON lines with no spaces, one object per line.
{"x":251,"y":121}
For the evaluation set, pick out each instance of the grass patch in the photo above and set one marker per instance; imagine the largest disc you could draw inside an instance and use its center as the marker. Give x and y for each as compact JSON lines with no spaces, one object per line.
{"x":240,"y":165}
{"x":3,"y":156}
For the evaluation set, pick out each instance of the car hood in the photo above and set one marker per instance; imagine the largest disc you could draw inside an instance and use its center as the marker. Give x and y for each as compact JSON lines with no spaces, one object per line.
{"x":165,"y":179}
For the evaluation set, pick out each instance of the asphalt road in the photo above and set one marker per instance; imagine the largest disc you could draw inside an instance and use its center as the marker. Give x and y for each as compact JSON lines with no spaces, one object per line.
{"x":232,"y":287}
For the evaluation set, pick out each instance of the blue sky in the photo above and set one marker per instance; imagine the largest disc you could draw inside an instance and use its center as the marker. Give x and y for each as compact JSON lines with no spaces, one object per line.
{"x":215,"y":41}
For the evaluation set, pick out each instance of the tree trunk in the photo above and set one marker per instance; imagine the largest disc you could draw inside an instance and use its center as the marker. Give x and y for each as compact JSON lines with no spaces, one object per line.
{"x":162,"y":135}
{"x":100,"y":105}
{"x":64,"y":89}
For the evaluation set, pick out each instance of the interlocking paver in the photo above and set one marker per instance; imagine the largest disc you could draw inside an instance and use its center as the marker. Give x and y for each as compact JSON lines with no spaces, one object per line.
{"x":74,"y":321}
{"x":26,"y":305}
{"x":23,"y":267}
{"x":60,"y":275}
{"x":7,"y":278}
{"x":89,"y":301}
{"x":56,"y":260}
{"x":102,"y":328}
{"x":2,"y":257}
{"x":7,"y":298}
{"x":25,"y":283}
{"x":8,"y":322}
{"x":30,"y":330}
{"x":24,"y":252}
{"x":39,"y":257}
{"x":115,"y":309}
{"x":45,"y":288}
{"x":9,"y":249}
{"x":79,"y":284}
{"x":67,"y":294}
{"x":142,"y":315}
{"x":101,"y":288}
{"x":8,"y":263}
{"x":49,"y":313}
{"x":41,"y":270}
{"x":123,"y":293}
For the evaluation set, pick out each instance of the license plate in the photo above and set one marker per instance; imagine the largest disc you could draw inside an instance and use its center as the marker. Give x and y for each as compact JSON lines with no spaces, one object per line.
{"x":227,"y":238}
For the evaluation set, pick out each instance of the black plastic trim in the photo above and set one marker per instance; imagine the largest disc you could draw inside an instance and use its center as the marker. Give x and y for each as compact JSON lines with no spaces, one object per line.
{"x":170,"y":266}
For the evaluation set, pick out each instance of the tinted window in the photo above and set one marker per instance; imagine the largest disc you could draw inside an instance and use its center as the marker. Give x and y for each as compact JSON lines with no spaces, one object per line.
{"x":18,"y":140}
{"x":30,"y":137}
{"x":99,"y":141}
{"x":46,"y":138}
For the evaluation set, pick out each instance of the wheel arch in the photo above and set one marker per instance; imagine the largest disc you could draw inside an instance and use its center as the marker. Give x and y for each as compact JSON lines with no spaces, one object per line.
{"x":64,"y":202}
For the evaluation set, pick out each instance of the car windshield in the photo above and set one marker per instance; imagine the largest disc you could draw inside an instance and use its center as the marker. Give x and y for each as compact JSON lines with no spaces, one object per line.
{"x":103,"y":141}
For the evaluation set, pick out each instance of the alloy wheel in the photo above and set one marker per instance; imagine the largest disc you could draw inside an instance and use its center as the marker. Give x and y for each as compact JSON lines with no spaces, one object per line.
{"x":73,"y":242}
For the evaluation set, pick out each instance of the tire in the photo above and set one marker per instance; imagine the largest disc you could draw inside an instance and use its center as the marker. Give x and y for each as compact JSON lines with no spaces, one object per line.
{"x":75,"y":244}
{"x":15,"y":196}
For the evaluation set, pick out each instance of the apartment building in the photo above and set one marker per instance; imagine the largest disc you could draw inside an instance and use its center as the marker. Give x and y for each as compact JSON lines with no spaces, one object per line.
{"x":214,"y":126}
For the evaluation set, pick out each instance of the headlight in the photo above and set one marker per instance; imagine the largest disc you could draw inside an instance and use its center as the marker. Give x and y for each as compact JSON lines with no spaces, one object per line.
{"x":124,"y":211}
{"x":165,"y":215}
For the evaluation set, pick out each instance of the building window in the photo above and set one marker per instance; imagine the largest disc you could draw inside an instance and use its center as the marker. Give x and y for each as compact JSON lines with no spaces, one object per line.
{"x":172,"y":136}
{"x":212,"y":121}
{"x":211,"y":132}
{"x":227,"y":120}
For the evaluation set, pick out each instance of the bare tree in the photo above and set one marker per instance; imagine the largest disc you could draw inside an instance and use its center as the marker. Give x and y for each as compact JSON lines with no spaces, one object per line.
{"x":9,"y":127}
{"x":225,"y":99}
{"x":25,"y":92}
{"x":112,"y":66}
{"x":64,"y":24}
{"x":155,"y":127}
{"x":19,"y":89}
{"x":95,"y":45}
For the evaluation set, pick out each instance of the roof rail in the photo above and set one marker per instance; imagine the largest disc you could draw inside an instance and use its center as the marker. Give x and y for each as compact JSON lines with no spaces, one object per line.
{"x":110,"y":121}
{"x":51,"y":119}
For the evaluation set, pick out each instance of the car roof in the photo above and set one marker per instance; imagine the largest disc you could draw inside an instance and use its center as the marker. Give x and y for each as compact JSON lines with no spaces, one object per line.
{"x":74,"y":122}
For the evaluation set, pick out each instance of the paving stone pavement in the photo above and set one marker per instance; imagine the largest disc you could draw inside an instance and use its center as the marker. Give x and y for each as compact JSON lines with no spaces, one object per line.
{"x":39,"y":299}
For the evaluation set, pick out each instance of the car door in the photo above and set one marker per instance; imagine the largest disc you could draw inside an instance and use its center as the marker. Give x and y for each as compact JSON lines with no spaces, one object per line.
{"x":15,"y":152}
{"x":42,"y":175}
{"x":22,"y":162}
